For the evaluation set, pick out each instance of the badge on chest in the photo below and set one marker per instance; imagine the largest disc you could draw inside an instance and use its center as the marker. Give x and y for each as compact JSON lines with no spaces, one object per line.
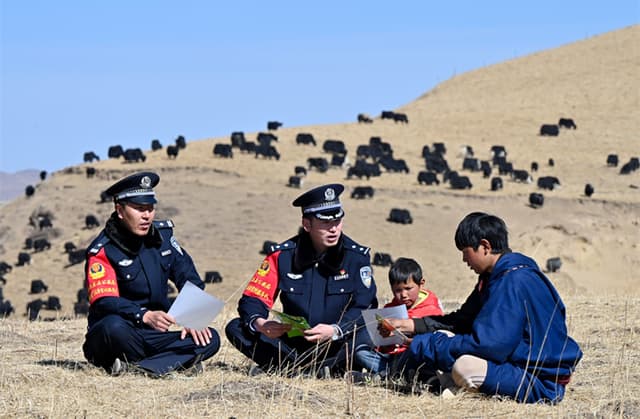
{"x":342,"y":275}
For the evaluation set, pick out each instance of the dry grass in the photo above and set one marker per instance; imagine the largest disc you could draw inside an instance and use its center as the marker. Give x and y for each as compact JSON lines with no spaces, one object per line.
{"x":225,"y":208}
{"x":43,"y":374}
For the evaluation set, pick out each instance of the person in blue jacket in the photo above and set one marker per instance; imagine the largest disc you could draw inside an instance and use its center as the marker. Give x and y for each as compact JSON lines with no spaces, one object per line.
{"x":126,"y":273}
{"x":321,"y":275}
{"x":510,"y":336}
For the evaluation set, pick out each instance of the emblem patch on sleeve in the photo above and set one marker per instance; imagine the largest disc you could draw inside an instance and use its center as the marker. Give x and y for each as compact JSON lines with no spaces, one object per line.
{"x":365,"y":276}
{"x":96,"y":270}
{"x":101,"y":278}
{"x":176,"y":245}
{"x":263,"y":270}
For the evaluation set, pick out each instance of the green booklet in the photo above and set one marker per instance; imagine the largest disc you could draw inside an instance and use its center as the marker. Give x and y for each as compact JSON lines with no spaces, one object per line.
{"x":298,"y":323}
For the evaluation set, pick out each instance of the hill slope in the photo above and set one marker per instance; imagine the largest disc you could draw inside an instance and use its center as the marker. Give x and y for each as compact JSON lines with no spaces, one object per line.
{"x":225,"y":208}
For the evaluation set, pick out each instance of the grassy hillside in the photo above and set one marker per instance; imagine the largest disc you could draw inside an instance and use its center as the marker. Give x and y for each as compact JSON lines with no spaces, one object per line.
{"x":225,"y":208}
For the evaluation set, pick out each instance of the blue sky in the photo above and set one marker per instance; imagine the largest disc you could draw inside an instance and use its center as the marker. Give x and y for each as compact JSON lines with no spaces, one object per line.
{"x":84,"y":75}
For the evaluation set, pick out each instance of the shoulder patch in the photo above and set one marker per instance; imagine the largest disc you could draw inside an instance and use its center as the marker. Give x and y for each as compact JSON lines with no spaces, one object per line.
{"x":98,"y":244}
{"x":164,"y":224}
{"x":355,"y":247}
{"x":286,"y":245}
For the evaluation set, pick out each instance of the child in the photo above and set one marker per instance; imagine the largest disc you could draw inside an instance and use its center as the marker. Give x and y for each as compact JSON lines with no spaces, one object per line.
{"x":405,"y":278}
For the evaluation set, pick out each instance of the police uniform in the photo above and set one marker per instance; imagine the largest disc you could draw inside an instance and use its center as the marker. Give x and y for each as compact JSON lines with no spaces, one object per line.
{"x":127,"y":275}
{"x":329,"y":288}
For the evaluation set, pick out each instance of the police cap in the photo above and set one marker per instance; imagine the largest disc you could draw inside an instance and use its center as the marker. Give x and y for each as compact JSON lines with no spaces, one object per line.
{"x":136,"y":188}
{"x":322,"y":202}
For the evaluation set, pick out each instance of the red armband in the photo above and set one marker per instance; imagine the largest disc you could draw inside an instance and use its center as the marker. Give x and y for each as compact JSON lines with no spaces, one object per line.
{"x":101,"y":277}
{"x":264,"y":284}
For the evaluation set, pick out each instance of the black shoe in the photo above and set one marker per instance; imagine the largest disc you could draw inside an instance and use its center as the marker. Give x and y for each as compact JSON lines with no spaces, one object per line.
{"x":362,"y":378}
{"x":118,"y":367}
{"x":433,"y":386}
{"x":325,"y":373}
{"x":194,"y":370}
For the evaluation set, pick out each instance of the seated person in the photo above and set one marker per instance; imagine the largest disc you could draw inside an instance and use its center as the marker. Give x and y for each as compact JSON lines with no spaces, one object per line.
{"x":510,"y":336}
{"x":127,"y":271}
{"x":407,"y":286}
{"x":319,"y":274}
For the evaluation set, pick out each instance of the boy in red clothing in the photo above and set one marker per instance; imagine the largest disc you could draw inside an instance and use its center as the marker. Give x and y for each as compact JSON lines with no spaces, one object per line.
{"x":405,"y":278}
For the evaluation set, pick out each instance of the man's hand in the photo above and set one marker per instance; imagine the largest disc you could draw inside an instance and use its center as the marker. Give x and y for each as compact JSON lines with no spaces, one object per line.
{"x":158,"y":320}
{"x":406,"y":326}
{"x":319,"y":333}
{"x":270,"y":328}
{"x":200,"y":337}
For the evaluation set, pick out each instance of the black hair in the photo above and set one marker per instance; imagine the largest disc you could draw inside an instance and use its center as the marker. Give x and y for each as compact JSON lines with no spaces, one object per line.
{"x":404,"y":269}
{"x":479,"y":225}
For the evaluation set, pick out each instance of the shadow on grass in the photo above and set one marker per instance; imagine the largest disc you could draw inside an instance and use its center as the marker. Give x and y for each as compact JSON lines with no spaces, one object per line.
{"x":74,"y":365}
{"x":67,"y":364}
{"x":223,"y":366}
{"x":258,"y":390}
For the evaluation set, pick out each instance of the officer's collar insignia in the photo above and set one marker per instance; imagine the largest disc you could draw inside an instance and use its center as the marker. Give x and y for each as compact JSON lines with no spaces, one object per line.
{"x":294,"y":276}
{"x":175,"y":244}
{"x":329,"y":194}
{"x":166,"y":252}
{"x":125,"y":262}
{"x":145,"y":182}
{"x":365,"y":276}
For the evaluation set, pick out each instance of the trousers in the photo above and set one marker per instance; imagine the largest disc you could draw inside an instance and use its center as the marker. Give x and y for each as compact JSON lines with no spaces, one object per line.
{"x":292,"y":356}
{"x":476,"y":374}
{"x":154,"y":351}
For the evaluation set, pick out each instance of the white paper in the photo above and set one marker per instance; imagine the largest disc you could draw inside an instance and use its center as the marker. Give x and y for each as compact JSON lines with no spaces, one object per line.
{"x":194,"y":308}
{"x":369,"y":316}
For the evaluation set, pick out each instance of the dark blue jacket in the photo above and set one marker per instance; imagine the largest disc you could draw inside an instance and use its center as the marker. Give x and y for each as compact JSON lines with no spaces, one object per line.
{"x":520,"y":320}
{"x":332,"y":289}
{"x":127,"y":281}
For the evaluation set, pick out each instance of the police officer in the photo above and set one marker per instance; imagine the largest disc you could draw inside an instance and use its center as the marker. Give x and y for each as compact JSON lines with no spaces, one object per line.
{"x":319,"y":274}
{"x":127,"y":271}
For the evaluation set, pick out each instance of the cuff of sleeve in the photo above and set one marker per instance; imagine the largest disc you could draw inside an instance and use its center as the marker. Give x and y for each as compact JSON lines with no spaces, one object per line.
{"x":419,"y":326}
{"x":250,"y":323}
{"x":137,"y":318}
{"x":337,"y":332}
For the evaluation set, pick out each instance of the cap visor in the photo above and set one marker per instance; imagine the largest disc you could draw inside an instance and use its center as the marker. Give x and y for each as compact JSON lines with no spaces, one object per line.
{"x":333,"y":214}
{"x":142,"y":199}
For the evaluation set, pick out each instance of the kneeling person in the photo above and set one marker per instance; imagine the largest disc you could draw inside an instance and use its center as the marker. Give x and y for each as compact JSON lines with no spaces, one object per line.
{"x":510,"y":336}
